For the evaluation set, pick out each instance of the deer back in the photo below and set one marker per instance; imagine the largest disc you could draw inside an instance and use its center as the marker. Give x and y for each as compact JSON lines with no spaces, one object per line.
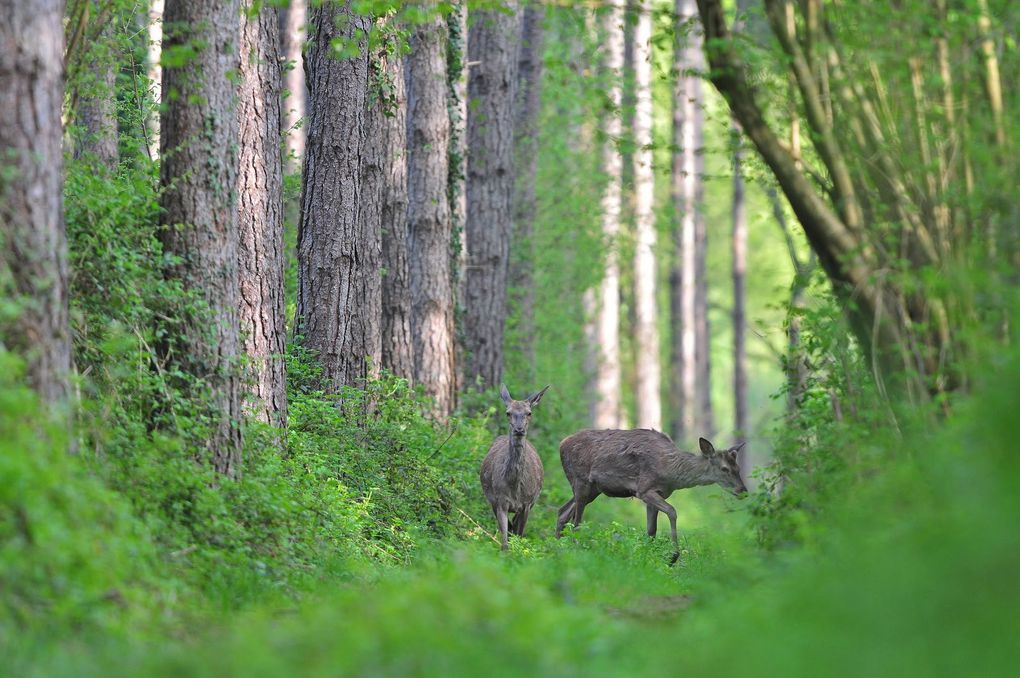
{"x":616,"y":462}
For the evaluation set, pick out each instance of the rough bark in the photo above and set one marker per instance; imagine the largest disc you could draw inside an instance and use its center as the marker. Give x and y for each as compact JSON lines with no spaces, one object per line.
{"x":198,"y":177}
{"x":155,"y":73}
{"x":384,"y":206}
{"x":96,"y":112}
{"x":338,"y":271}
{"x":607,"y":405}
{"x":292,"y":34}
{"x":260,"y":214}
{"x":527,"y":108}
{"x":33,"y":268}
{"x":646,"y":331}
{"x":428,"y":216}
{"x":492,"y":43}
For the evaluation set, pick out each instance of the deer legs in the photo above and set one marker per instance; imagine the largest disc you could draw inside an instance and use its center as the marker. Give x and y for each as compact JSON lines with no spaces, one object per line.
{"x":565,"y":512}
{"x":501,"y":520}
{"x":519,"y":522}
{"x":573,"y":511}
{"x":652,"y":519}
{"x":655,"y":503}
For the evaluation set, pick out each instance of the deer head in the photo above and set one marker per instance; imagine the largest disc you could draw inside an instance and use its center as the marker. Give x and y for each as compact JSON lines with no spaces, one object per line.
{"x":518,"y":412}
{"x":724,"y":468}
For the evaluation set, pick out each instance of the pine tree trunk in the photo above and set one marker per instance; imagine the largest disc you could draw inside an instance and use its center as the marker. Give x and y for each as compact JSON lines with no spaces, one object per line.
{"x":33,"y":268}
{"x":607,"y":406}
{"x":646,"y":331}
{"x":96,"y":113}
{"x":155,"y":50}
{"x":338,"y":263}
{"x":456,"y":81}
{"x":428,"y":216}
{"x":527,"y":109}
{"x":198,"y":177}
{"x":292,"y":38}
{"x":492,"y":50}
{"x":260,"y":213}
{"x":386,"y":132}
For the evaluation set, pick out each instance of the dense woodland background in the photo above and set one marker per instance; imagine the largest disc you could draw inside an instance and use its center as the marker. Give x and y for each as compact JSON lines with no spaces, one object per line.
{"x":265,"y":266}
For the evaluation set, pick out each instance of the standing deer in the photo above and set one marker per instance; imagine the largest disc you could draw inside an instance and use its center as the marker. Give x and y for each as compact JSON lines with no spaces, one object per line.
{"x":511,"y":472}
{"x":643,"y":464}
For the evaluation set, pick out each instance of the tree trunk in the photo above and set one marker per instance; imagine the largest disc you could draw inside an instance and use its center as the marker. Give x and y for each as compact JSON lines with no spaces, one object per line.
{"x":646,"y":331}
{"x":96,"y":112}
{"x":338,"y":263}
{"x":689,"y":365}
{"x":155,"y":73}
{"x":457,"y":75}
{"x":384,"y":204}
{"x":607,"y":406}
{"x":428,"y":216}
{"x":739,"y":215}
{"x":292,"y":34}
{"x":386,"y":127}
{"x":492,"y":50}
{"x":527,"y":109}
{"x":33,"y":270}
{"x":198,"y":177}
{"x":260,"y":213}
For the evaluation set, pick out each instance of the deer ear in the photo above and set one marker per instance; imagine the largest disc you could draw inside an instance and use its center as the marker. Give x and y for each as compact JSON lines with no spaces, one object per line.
{"x":737,"y":448}
{"x":533,"y":400}
{"x":504,"y":394}
{"x":706,"y":447}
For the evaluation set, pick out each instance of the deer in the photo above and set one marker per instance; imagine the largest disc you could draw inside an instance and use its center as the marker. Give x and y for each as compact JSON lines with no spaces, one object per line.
{"x":640,"y":463}
{"x":512,"y":471}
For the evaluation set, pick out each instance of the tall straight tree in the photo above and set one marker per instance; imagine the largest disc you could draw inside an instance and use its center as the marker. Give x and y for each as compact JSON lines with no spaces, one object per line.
{"x":689,"y":389}
{"x":527,"y":108}
{"x":646,"y":331}
{"x":384,"y":202}
{"x":607,"y":381}
{"x":493,"y":36}
{"x":292,"y":39}
{"x":154,"y":52}
{"x":456,"y":82}
{"x":96,"y":110}
{"x":198,"y":177}
{"x":260,"y":211}
{"x":428,"y":216}
{"x":339,"y":277}
{"x":33,"y":268}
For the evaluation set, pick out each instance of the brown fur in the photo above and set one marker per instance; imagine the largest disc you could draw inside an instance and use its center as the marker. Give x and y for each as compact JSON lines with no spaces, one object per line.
{"x":511,"y":473}
{"x":643,"y":464}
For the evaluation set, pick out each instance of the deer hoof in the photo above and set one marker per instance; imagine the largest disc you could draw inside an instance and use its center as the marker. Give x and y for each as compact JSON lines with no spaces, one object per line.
{"x":676,"y":557}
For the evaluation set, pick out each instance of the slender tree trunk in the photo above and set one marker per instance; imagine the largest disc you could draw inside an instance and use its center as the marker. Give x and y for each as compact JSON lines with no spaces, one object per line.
{"x":646,"y":331}
{"x":607,"y":406}
{"x":386,"y":126}
{"x":492,"y":43}
{"x":338,"y":263}
{"x":96,"y":112}
{"x":260,"y":213}
{"x":33,"y":268}
{"x":527,"y":108}
{"x":689,"y":343}
{"x":457,"y":102}
{"x":198,"y":177}
{"x":739,"y":299}
{"x":428,"y":216}
{"x":292,"y":33}
{"x":155,"y":73}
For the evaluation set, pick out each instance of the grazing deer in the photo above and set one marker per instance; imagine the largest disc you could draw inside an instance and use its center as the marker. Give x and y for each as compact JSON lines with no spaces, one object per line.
{"x":512,"y":472}
{"x":643,"y":464}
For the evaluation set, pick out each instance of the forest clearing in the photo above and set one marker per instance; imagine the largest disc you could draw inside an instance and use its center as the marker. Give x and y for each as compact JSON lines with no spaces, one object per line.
{"x":370,"y":337}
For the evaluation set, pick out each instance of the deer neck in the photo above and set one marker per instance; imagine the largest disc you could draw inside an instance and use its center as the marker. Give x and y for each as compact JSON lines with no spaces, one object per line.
{"x":513,"y":460}
{"x":688,"y":470}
